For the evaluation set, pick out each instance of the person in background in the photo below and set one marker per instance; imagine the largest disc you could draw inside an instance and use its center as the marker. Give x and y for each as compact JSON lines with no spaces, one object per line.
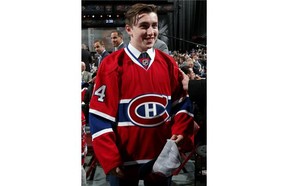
{"x":197,"y":68}
{"x":86,"y":79}
{"x":86,"y":57}
{"x":187,"y":68}
{"x":100,"y":49}
{"x":117,"y":40}
{"x":188,"y":71}
{"x":159,"y":44}
{"x":197,"y":90}
{"x":137,"y":104}
{"x":189,"y":62}
{"x":86,"y":76}
{"x":84,"y":147}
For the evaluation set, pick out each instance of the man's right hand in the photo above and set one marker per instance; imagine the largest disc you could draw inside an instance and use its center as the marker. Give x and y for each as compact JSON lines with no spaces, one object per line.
{"x":117,"y":172}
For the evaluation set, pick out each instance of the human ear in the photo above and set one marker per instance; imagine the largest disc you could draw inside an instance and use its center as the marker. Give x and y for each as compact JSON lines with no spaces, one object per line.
{"x":128,"y":30}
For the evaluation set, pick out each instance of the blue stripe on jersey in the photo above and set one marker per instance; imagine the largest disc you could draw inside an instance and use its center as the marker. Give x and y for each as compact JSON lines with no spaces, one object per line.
{"x":99,"y":123}
{"x":122,"y":112}
{"x":183,"y":105}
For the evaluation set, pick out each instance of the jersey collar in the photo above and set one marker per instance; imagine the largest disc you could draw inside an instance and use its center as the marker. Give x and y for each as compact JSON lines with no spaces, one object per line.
{"x":137,"y":53}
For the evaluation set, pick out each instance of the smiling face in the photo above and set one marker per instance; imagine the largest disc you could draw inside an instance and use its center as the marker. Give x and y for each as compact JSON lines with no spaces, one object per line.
{"x":116,"y":40}
{"x":98,"y":47}
{"x":144,"y":31}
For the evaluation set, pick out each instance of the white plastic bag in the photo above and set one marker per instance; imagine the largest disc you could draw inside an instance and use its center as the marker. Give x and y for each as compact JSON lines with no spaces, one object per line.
{"x":168,"y":160}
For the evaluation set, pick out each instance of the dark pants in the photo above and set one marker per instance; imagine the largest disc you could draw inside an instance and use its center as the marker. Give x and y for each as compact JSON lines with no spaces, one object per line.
{"x":115,"y":181}
{"x":132,"y":178}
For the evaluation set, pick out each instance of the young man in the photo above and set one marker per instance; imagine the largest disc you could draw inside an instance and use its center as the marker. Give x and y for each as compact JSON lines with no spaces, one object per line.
{"x":137,"y":105}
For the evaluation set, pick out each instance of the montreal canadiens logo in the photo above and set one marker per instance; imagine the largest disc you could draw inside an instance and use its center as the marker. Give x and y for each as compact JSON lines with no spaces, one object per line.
{"x":148,"y":110}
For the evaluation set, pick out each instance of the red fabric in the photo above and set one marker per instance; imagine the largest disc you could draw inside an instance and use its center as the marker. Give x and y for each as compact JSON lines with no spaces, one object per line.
{"x":83,"y":92}
{"x":83,"y":139}
{"x":117,"y":86}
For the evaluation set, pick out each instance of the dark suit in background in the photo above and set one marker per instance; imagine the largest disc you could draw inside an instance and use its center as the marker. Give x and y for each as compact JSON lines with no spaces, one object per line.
{"x":87,"y":59}
{"x":122,"y":45}
{"x":197,"y":90}
{"x":102,"y":56}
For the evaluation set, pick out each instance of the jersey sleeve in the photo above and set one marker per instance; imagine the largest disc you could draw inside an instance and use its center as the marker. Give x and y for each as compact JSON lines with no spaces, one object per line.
{"x":102,"y":116}
{"x":182,"y":111}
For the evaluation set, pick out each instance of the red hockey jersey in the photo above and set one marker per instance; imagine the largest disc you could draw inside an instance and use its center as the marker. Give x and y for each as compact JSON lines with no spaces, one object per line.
{"x":134,"y":110}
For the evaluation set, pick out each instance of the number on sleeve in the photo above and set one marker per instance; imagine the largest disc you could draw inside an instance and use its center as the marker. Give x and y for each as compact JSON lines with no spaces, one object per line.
{"x":100,"y":92}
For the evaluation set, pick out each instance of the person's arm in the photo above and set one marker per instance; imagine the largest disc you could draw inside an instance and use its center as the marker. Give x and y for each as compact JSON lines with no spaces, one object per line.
{"x":182,"y":116}
{"x":102,"y":117}
{"x":104,"y":142}
{"x":193,"y":86}
{"x":185,"y":80}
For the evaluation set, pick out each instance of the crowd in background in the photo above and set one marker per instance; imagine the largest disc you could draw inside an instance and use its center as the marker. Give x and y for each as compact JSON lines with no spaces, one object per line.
{"x":192,"y":63}
{"x":194,"y":59}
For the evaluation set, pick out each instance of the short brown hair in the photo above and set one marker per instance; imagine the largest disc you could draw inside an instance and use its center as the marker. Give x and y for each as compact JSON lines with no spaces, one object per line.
{"x":118,"y":32}
{"x":100,"y":41}
{"x":136,"y":9}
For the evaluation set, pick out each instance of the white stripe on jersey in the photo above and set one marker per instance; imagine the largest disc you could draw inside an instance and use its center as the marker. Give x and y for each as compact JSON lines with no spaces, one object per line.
{"x":128,"y":100}
{"x":185,"y":111}
{"x":125,"y":124}
{"x":125,"y":100}
{"x":102,"y":115}
{"x":101,"y":132}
